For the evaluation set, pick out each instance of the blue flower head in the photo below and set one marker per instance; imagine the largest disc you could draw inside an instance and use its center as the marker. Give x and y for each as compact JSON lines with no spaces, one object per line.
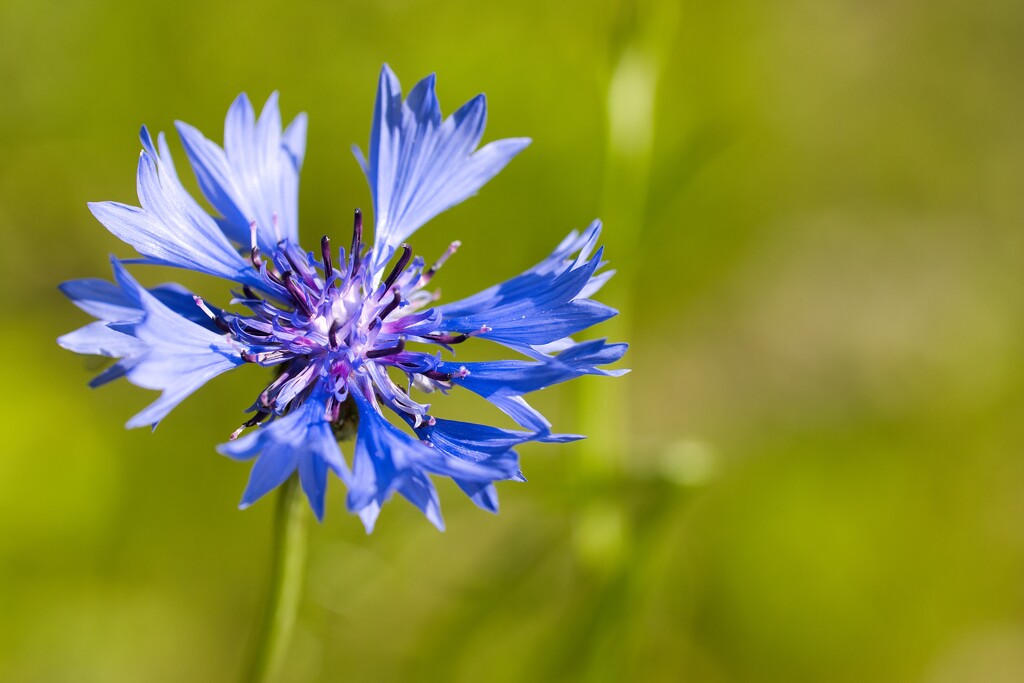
{"x":353,"y":335}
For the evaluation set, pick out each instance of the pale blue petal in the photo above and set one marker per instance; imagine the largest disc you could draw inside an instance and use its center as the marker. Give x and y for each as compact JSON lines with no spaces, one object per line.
{"x":171,"y":228}
{"x":181,"y":356}
{"x":98,"y":339}
{"x":255,"y":178}
{"x":420,"y":165}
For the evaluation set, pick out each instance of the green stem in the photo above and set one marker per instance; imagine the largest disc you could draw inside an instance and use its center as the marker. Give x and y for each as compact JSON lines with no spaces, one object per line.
{"x":288,"y":563}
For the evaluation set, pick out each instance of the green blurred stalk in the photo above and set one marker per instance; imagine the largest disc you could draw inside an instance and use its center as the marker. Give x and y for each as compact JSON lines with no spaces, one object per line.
{"x":288,"y":563}
{"x":644,"y":37}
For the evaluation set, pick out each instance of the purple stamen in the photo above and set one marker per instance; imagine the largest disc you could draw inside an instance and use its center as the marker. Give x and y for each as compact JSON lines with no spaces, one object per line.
{"x":437,"y":375}
{"x":446,"y":338}
{"x":403,"y":261}
{"x":357,"y":240}
{"x":387,"y":350}
{"x":251,"y":422}
{"x":325,"y":252}
{"x":296,"y":266}
{"x":293,"y":288}
{"x":425,"y":278}
{"x":332,"y":334}
{"x":392,"y":305}
{"x":221,"y":324}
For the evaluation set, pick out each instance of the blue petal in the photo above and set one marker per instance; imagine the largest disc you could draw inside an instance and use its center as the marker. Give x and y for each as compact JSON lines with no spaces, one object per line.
{"x":180,"y":355}
{"x":313,"y":477}
{"x":477,"y":443}
{"x":113,"y":335}
{"x":514,"y":377}
{"x":183,"y":302}
{"x":255,"y":178}
{"x":388,"y":460}
{"x":171,"y":228}
{"x":504,"y":382}
{"x":417,"y":488}
{"x":106,"y":301}
{"x":269,"y":472}
{"x":100,"y":299}
{"x":484,"y":496}
{"x":98,"y":339}
{"x":301,"y":440}
{"x":420,"y":165}
{"x":541,"y":306}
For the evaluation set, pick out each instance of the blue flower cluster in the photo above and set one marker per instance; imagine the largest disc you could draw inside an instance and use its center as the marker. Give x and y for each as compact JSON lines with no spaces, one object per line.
{"x":338,"y":326}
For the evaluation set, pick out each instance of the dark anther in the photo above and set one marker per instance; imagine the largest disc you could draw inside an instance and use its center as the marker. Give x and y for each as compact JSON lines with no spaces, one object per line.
{"x":296,"y":266}
{"x":357,"y":239}
{"x":256,"y":419}
{"x":249,"y":294}
{"x":260,"y":416}
{"x":403,"y":261}
{"x":222,"y":325}
{"x":438,"y":376}
{"x":325,"y":252}
{"x":254,"y":255}
{"x":288,"y":279}
{"x":392,"y":305}
{"x":332,"y":334}
{"x":444,"y":338}
{"x":388,"y":350}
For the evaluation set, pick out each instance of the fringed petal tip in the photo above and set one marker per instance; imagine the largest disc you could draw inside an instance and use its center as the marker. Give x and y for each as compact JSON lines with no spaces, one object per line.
{"x":419,"y":164}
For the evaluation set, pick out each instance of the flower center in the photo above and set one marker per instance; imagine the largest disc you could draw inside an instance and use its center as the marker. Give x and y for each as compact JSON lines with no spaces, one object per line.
{"x":324,"y":323}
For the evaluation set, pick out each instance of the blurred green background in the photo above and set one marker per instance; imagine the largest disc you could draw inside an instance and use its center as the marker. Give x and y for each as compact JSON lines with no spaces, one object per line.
{"x":814,"y":471}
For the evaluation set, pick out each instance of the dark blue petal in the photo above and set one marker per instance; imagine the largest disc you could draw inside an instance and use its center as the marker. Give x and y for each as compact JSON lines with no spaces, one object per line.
{"x":559,"y":261}
{"x":484,"y":496}
{"x":542,"y":306}
{"x":478,"y":443}
{"x":270,"y":471}
{"x":523,"y":413}
{"x":100,"y":299}
{"x":182,"y":302}
{"x":417,"y":488}
{"x":419,"y":165}
{"x":388,"y":460}
{"x":313,"y":477}
{"x":514,"y":377}
{"x":301,"y":440}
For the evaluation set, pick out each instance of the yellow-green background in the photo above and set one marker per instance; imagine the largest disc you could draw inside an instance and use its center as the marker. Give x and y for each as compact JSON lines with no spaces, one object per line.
{"x":815,"y":471}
